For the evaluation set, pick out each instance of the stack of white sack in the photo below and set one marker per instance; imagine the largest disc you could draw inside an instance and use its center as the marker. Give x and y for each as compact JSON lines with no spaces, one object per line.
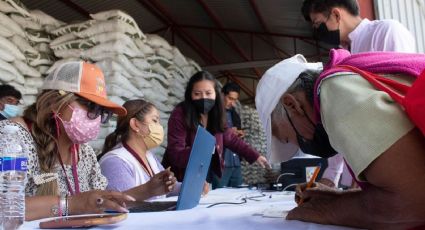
{"x":25,"y":55}
{"x":135,"y":65}
{"x":254,"y":136}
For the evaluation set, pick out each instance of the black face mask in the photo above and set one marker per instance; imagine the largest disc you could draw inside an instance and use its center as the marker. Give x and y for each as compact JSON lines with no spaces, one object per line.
{"x":319,"y":146}
{"x":328,"y":36}
{"x":204,"y":105}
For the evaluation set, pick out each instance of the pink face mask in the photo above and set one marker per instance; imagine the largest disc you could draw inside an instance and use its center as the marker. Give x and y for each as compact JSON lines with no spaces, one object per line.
{"x":80,"y":128}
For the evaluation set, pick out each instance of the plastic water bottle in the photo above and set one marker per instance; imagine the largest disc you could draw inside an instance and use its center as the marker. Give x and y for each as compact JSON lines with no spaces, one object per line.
{"x":13,"y":179}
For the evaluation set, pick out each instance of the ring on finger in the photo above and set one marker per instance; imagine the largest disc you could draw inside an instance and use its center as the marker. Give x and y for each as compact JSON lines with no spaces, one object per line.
{"x":99,"y":202}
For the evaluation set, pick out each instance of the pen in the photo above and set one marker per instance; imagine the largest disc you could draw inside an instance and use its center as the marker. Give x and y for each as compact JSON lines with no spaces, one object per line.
{"x":311,"y":181}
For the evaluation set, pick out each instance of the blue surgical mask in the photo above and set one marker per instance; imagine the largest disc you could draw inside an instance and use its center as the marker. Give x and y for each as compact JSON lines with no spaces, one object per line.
{"x":11,"y":111}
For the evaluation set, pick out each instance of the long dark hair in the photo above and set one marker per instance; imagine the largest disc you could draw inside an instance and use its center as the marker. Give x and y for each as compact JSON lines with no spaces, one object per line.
{"x":216,"y":119}
{"x":135,"y":108}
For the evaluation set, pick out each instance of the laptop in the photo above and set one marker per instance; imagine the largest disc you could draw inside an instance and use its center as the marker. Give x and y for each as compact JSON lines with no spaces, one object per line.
{"x":194,"y":178}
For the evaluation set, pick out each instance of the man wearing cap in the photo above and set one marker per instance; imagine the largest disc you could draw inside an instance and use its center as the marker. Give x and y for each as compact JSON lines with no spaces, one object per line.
{"x":384,"y":150}
{"x":9,"y":102}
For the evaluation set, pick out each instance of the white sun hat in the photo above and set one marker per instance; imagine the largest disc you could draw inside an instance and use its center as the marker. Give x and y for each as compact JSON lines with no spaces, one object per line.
{"x":273,"y":84}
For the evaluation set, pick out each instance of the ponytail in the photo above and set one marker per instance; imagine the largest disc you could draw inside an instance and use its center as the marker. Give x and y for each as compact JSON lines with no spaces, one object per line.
{"x":110,"y":142}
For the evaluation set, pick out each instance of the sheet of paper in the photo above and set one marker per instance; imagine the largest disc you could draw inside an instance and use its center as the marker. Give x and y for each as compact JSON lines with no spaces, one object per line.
{"x":273,"y":211}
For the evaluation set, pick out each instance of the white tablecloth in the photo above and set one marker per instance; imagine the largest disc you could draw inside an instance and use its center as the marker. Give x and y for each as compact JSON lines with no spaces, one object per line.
{"x":265,"y":212}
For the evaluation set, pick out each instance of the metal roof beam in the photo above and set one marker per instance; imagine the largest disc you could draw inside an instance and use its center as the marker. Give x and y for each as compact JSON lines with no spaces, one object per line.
{"x":233,"y":43}
{"x":165,"y":16}
{"x":241,"y":65}
{"x":231,"y":30}
{"x":260,"y":18}
{"x":162,"y":14}
{"x":263,"y":24}
{"x":153,"y":11}
{"x":272,"y":44}
{"x":315,"y":43}
{"x":159,"y":30}
{"x":76,"y":7}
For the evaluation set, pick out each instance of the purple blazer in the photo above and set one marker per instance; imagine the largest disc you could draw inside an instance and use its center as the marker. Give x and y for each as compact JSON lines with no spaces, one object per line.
{"x":180,"y":140}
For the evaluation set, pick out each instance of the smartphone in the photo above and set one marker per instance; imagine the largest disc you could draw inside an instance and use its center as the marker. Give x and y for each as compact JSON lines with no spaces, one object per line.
{"x":80,"y":221}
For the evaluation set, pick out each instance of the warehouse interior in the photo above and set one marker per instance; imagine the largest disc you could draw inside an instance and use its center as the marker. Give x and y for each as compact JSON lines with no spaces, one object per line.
{"x":150,"y":48}
{"x":108,"y":109}
{"x":236,"y":40}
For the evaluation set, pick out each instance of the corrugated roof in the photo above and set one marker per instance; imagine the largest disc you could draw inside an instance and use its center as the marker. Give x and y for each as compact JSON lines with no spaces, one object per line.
{"x":242,"y":30}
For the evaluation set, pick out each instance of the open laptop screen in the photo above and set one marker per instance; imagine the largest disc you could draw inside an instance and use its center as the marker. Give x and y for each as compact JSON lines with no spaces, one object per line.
{"x":197,"y":169}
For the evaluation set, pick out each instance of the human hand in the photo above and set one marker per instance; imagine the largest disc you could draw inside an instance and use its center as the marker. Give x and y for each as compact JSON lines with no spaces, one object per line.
{"x":301,"y":189}
{"x":206,"y":188}
{"x":161,"y":183}
{"x":238,"y":132}
{"x":327,"y":182}
{"x":316,"y":207}
{"x":262,"y":161}
{"x":97,"y":201}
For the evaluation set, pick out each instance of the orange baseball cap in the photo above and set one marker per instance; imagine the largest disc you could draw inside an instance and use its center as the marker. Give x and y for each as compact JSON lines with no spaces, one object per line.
{"x":85,"y":80}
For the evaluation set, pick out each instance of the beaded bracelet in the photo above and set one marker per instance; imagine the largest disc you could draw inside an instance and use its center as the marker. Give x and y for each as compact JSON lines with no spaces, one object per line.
{"x":45,"y":178}
{"x":55,"y":208}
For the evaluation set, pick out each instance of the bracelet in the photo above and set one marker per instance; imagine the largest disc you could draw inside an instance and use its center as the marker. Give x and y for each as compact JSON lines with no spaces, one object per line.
{"x":55,"y":210}
{"x":62,"y":205}
{"x":45,"y":178}
{"x":66,"y":210}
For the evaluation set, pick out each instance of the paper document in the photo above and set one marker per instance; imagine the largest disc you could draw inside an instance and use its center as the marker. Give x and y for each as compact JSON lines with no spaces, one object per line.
{"x":273,"y":212}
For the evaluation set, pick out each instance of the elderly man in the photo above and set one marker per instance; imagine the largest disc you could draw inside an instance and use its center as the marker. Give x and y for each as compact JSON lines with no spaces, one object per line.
{"x":339,"y":22}
{"x":383,"y":148}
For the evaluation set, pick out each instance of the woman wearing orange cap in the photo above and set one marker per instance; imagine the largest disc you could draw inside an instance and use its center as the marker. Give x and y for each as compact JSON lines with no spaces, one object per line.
{"x":63,"y":174}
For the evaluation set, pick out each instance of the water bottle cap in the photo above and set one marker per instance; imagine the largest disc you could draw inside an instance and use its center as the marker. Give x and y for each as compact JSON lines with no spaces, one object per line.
{"x":10,"y":129}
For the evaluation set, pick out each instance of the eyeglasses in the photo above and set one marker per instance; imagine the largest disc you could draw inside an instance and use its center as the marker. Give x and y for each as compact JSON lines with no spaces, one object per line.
{"x":316,"y":24}
{"x":94,"y":110}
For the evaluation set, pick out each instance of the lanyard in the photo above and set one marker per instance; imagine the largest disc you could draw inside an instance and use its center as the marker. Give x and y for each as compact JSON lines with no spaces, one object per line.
{"x":74,"y":156}
{"x":135,"y":155}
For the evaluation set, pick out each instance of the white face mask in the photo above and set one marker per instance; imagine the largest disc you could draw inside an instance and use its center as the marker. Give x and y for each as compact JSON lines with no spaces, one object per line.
{"x":11,"y":111}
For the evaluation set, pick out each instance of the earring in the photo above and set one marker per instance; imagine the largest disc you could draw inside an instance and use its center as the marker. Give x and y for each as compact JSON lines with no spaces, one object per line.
{"x":137,"y":130}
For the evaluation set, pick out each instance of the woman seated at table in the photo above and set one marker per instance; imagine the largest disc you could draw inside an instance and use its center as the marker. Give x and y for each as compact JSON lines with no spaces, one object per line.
{"x":64,"y":177}
{"x":126,"y":160}
{"x":203,"y":106}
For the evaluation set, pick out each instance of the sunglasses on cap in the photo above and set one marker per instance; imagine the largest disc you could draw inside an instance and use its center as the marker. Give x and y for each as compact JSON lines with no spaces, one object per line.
{"x":94,"y":110}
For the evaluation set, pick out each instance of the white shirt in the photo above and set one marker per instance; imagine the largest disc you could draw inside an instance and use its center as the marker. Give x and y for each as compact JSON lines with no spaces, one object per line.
{"x":337,"y":171}
{"x":381,"y":35}
{"x":140,"y":176}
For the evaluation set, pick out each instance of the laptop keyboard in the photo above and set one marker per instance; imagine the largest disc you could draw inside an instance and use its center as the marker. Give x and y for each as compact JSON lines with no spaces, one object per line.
{"x":155,"y":206}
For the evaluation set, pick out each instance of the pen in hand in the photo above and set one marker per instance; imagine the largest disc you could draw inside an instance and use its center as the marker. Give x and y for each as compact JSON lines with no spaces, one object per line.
{"x":311,"y":181}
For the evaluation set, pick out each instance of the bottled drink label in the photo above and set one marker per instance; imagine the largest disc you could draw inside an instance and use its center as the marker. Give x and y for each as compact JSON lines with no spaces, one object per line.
{"x":13,"y":163}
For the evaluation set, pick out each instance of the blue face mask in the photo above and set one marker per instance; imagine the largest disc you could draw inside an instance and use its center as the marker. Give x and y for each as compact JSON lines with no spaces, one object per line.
{"x":11,"y":111}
